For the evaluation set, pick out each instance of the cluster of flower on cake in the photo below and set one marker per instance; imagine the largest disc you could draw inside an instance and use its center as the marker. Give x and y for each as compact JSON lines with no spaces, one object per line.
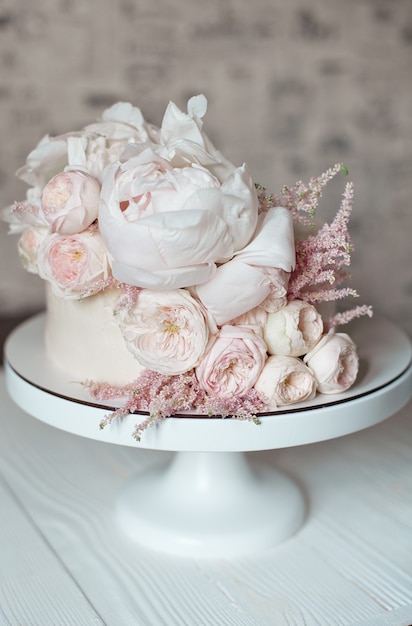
{"x":219,"y":297}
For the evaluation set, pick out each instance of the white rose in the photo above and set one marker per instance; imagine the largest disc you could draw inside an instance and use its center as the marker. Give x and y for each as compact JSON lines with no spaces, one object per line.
{"x":286,"y":380}
{"x":294,"y":330}
{"x":166,"y":331}
{"x":334,"y":362}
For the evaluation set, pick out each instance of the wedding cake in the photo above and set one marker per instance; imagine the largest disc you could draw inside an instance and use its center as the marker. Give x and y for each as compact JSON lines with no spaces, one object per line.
{"x":174,"y":279}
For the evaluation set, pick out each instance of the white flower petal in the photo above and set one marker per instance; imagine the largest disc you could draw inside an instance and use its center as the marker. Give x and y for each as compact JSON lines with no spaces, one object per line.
{"x":234,"y":289}
{"x":273,"y":244}
{"x":167,"y":279}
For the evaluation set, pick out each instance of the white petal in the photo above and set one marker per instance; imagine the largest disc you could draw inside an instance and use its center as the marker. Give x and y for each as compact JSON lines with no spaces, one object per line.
{"x":165,"y":240}
{"x":234,"y":289}
{"x":273,"y":245}
{"x":171,"y":279}
{"x":124,"y":112}
{"x":197,"y":106}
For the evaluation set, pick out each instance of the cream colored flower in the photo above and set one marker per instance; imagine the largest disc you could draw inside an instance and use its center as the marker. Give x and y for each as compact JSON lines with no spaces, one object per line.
{"x":294,"y":330}
{"x":286,"y":380}
{"x":334,"y":362}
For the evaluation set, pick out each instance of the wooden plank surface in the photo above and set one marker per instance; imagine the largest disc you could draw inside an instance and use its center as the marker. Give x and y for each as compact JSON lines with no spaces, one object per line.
{"x":64,"y":561}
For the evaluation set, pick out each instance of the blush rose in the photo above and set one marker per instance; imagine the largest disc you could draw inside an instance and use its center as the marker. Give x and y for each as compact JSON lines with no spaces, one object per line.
{"x":70,"y":202}
{"x":166,"y":331}
{"x":72,"y":264}
{"x":233,"y":362}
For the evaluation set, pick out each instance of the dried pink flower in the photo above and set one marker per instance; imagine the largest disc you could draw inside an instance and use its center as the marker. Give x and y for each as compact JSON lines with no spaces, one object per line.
{"x":163,"y":396}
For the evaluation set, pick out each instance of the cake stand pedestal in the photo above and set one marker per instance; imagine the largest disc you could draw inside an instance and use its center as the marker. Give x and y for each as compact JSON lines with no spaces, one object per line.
{"x":210,"y":504}
{"x":210,"y":501}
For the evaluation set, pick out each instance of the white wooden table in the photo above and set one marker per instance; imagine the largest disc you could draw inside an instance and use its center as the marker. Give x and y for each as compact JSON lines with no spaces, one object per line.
{"x":64,"y":561}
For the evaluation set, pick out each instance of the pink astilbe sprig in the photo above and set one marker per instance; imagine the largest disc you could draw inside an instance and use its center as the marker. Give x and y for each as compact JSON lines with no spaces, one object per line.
{"x":163,"y":396}
{"x":322,"y":259}
{"x":339,"y":319}
{"x":24,"y":207}
{"x":303,"y":198}
{"x":129,"y":292}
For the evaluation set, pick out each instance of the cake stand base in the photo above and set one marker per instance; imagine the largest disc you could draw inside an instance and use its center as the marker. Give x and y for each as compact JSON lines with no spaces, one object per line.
{"x":210,"y":504}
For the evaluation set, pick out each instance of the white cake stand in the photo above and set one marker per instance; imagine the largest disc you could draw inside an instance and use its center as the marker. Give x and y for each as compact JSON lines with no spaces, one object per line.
{"x":210,"y":501}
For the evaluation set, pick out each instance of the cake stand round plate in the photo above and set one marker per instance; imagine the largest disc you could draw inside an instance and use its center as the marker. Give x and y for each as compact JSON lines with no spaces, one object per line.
{"x":210,"y":501}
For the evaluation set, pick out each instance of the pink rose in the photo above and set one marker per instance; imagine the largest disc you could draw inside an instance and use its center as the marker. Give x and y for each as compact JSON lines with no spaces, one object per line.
{"x":286,"y":380}
{"x":171,"y":211}
{"x":294,"y":330}
{"x":232,"y":363}
{"x":28,"y":247}
{"x":70,"y":202}
{"x":72,"y":264}
{"x":166,"y":331}
{"x":334,"y":362}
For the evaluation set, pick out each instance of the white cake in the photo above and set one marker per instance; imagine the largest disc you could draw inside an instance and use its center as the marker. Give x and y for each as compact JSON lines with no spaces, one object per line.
{"x":83,"y":339}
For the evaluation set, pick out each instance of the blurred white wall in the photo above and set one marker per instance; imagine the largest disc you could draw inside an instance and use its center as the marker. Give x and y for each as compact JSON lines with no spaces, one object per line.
{"x":293,"y":87}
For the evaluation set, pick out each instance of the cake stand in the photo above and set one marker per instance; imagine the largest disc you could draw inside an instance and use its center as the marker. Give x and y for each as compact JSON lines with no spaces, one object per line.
{"x":210,"y":500}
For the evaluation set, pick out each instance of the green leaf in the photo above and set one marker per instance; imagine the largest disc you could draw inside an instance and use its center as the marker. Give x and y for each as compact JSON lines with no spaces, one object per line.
{"x":344,"y":169}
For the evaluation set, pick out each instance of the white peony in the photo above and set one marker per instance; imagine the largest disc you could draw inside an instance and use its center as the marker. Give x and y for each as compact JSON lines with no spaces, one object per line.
{"x":171,"y":211}
{"x":257,"y":273}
